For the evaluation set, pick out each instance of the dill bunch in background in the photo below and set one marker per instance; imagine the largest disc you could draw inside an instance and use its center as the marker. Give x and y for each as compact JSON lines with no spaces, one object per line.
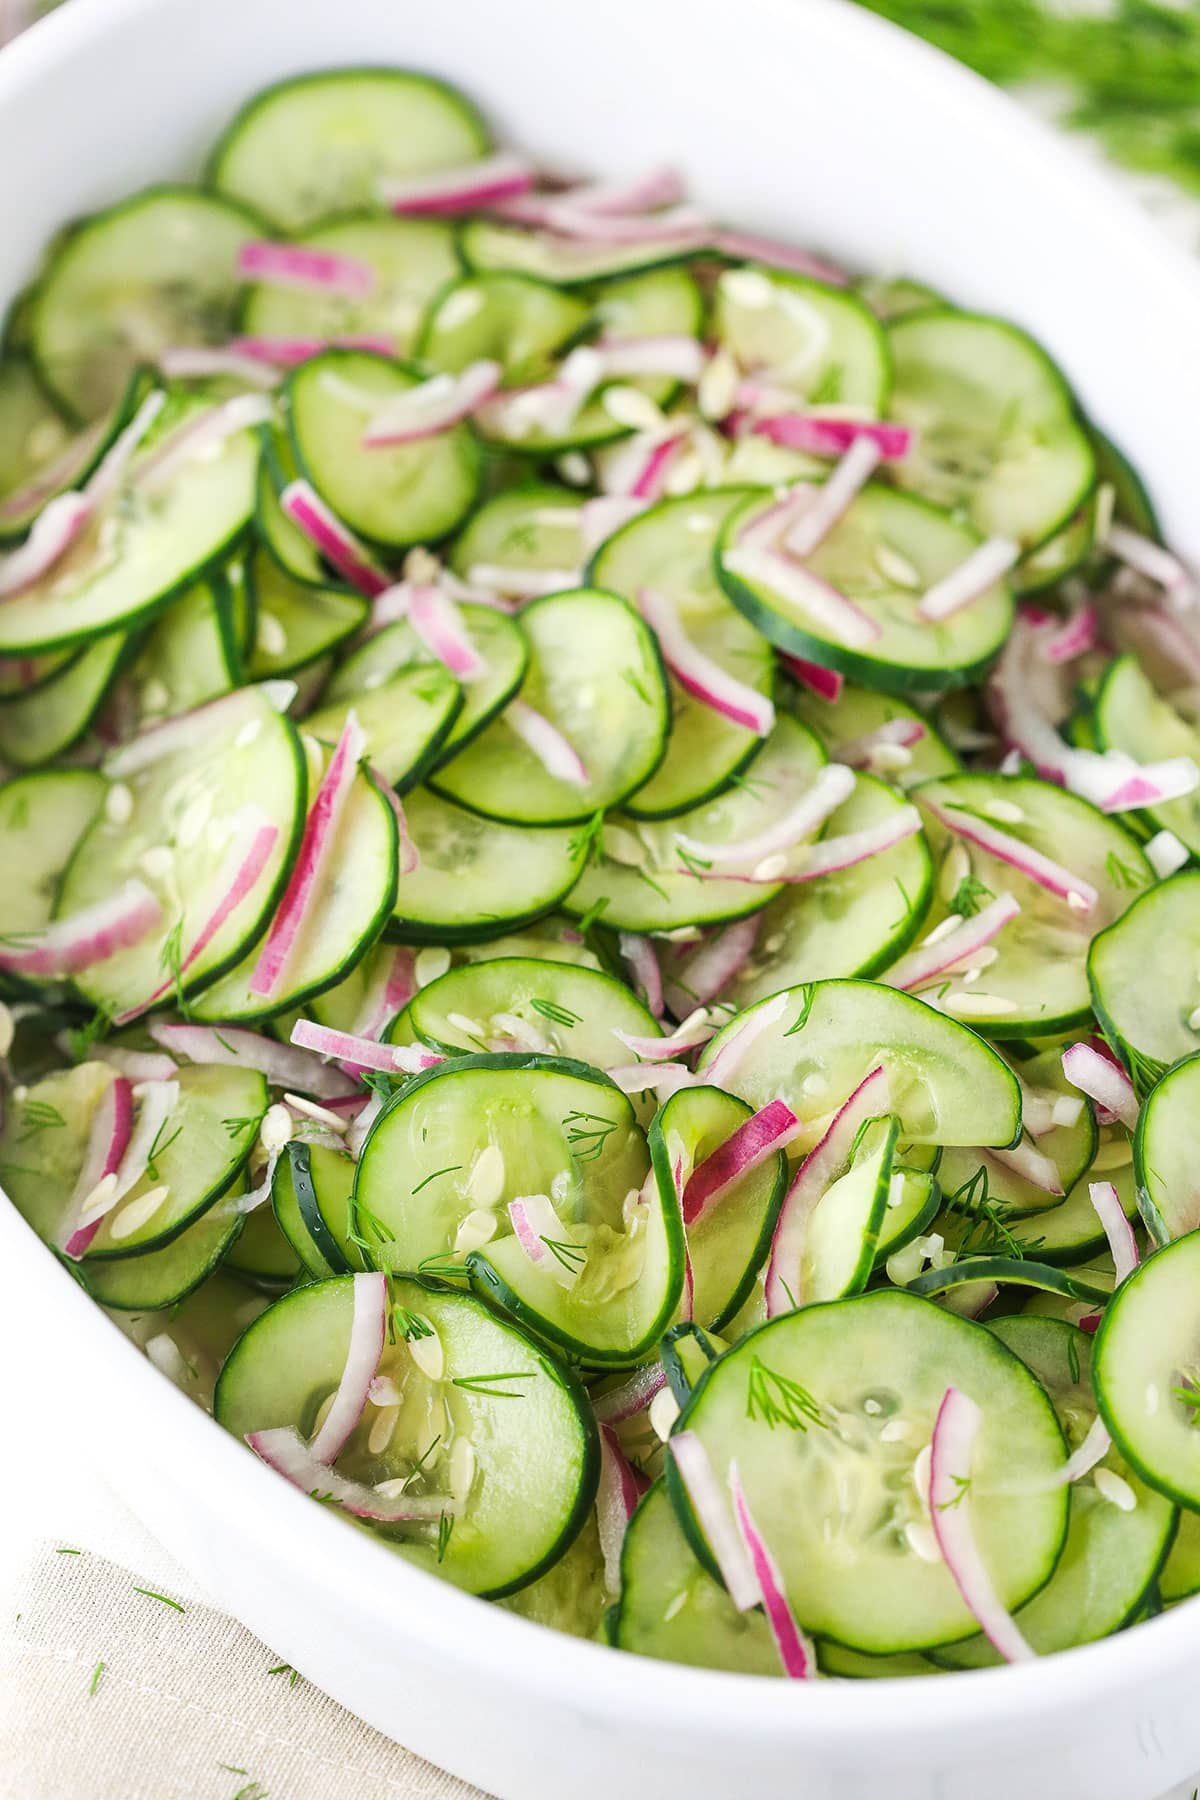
{"x":1128,"y":72}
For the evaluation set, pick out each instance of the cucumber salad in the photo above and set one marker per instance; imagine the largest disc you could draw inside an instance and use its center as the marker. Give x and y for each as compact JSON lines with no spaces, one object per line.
{"x":600,"y":895}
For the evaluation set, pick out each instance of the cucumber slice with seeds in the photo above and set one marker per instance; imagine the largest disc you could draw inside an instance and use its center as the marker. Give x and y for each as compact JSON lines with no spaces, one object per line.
{"x":310,"y":1196}
{"x":488,"y":244}
{"x":43,"y":817}
{"x":1146,"y":1002}
{"x":191,"y":653}
{"x":407,"y":720}
{"x":1145,"y":1370}
{"x":42,"y":724}
{"x":510,"y":319}
{"x":157,"y":270}
{"x":281,"y":538}
{"x":533,"y":526}
{"x":1129,"y":716}
{"x":819,"y":341}
{"x":166,"y":1276}
{"x":39,"y":454}
{"x":595,"y":673}
{"x":397,"y":495}
{"x":996,"y":432}
{"x":1163,"y":1153}
{"x":555,"y":1009}
{"x":296,"y":623}
{"x":913,"y":1199}
{"x":857,"y":713}
{"x":262,"y":1254}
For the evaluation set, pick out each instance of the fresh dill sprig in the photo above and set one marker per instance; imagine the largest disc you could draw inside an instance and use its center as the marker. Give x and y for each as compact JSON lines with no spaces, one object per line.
{"x":445,"y":1528}
{"x":970,"y":897}
{"x":442,"y":1267}
{"x":97,"y":1672}
{"x":558,"y":1015}
{"x":410,"y":1325}
{"x":235,"y":1127}
{"x":158,"y":1148}
{"x":486,"y":1384}
{"x":776,"y":1399}
{"x":568,"y":1255}
{"x":293,"y":1675}
{"x":163,"y":1598}
{"x":588,"y":1134}
{"x":38,"y":1116}
{"x":450,"y":1169}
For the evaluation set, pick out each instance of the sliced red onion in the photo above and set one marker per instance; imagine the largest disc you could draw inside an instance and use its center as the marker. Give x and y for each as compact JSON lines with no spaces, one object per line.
{"x":1094,"y":1448}
{"x":952,"y":1455}
{"x":367,"y":1334}
{"x":1153,"y":784}
{"x":712,"y":1511}
{"x":675,"y":224}
{"x":719,"y":959}
{"x":434,"y":405}
{"x":1117,"y":1229}
{"x":466,"y":189}
{"x":136,"y":1065}
{"x":930,"y":960}
{"x":108,"y":1139}
{"x":1166,"y":854}
{"x":747,"y":246}
{"x":765,"y":1133}
{"x":639,"y":953}
{"x":795,"y":1652}
{"x":536,"y":1225}
{"x":816,"y":434}
{"x":1074,"y":637}
{"x":313,"y":271}
{"x":1018,"y":855}
{"x":687,"y":1301}
{"x":784,"y":1288}
{"x":498,"y":583}
{"x":647,"y":480}
{"x":391,"y":987}
{"x":345,"y":1047}
{"x":831,"y":611}
{"x":284,"y":1450}
{"x":658,"y":186}
{"x":672,"y":355}
{"x":693,"y":1032}
{"x":827,"y":684}
{"x":182,"y":731}
{"x":600,"y":517}
{"x":1032,"y":1165}
{"x":49,"y":481}
{"x":56,"y":528}
{"x":661,"y":1078}
{"x":970,"y":581}
{"x":857,"y":752}
{"x":833,"y":785}
{"x":245,"y":864}
{"x":631,"y":1396}
{"x":199,"y":435}
{"x":616,"y":1502}
{"x":408,"y":854}
{"x":82,"y":939}
{"x":199,"y":362}
{"x":317,"y":847}
{"x":158,"y":1101}
{"x":441,"y":628}
{"x":360,"y":1131}
{"x":414,"y":1059}
{"x":703,"y":678}
{"x":556,"y":755}
{"x":834,"y":497}
{"x":744,"y":1035}
{"x":236,"y":1048}
{"x":1152,"y":560}
{"x":287,"y":352}
{"x":107,"y":478}
{"x":337,"y":545}
{"x":1102,"y":1081}
{"x":829,"y":856}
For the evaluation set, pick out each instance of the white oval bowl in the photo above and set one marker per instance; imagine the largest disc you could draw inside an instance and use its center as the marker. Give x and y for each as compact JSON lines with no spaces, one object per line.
{"x":814,"y":120}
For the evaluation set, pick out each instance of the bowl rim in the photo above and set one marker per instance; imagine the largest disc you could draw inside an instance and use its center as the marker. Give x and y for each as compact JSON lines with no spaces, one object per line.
{"x":360,"y":1573}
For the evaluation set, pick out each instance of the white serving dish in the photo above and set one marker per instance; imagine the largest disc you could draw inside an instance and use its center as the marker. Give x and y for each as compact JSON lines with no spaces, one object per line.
{"x":810,"y":118}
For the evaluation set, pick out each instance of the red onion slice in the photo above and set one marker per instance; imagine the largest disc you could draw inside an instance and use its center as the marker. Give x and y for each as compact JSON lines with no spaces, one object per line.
{"x":784,"y":1289}
{"x":108,"y":1139}
{"x":465,"y":189}
{"x":693,"y":1032}
{"x":82,"y":939}
{"x":345,"y":1047}
{"x":832,"y":612}
{"x":536,"y":1226}
{"x":975,"y":576}
{"x":952,"y":1454}
{"x":337,"y":545}
{"x":732,"y":1053}
{"x":748,"y":246}
{"x":56,"y":528}
{"x":827,"y":684}
{"x":661,"y":1078}
{"x":198,"y":436}
{"x":1074,"y":637}
{"x":857,"y":752}
{"x":711,"y":967}
{"x":434,"y":405}
{"x":833,"y":785}
{"x":312,"y":271}
{"x":1117,"y":1229}
{"x":616,"y":1502}
{"x":284,"y":1450}
{"x":715,"y":1519}
{"x":236,"y":1048}
{"x":1032,"y":1165}
{"x":1103,"y":1081}
{"x":199,"y":362}
{"x":317,"y":846}
{"x":833,"y":498}
{"x":703,"y":678}
{"x":443,"y":631}
{"x":1094,"y":1448}
{"x":367,"y":1332}
{"x":930,"y":960}
{"x":158,"y":1101}
{"x":408,"y":854}
{"x":829,"y":856}
{"x":106,"y":479}
{"x":287,"y":352}
{"x":795,"y":1652}
{"x":600,"y":517}
{"x":556,"y":755}
{"x":639,"y":954}
{"x":648,"y":482}
{"x":391,"y":987}
{"x":815,"y":434}
{"x":631,"y":1397}
{"x":136,"y":1065}
{"x":659,"y":186}
{"x":765,"y":1133}
{"x":1018,"y":855}
{"x":675,"y":224}
{"x":672,"y":355}
{"x":1152,"y":560}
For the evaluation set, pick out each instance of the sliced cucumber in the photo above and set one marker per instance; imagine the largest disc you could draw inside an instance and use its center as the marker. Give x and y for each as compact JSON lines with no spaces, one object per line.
{"x":44,"y":1140}
{"x":573,"y":1594}
{"x":637,"y":870}
{"x":518,"y":1513}
{"x":842,"y":1238}
{"x":412,"y":259}
{"x":399,"y":495}
{"x":233,"y":760}
{"x":1180,"y":1576}
{"x":1164,"y":1153}
{"x":42,"y":724}
{"x":191,"y":653}
{"x":867,"y":1364}
{"x":978,"y":1219}
{"x":946,"y":1086}
{"x":893,"y":296}
{"x":728,"y":1243}
{"x":595,"y":673}
{"x":530,"y":527}
{"x":819,"y":341}
{"x":282,"y":539}
{"x":856,"y":714}
{"x":296,"y":623}
{"x":913,"y":1199}
{"x":672,"y":1609}
{"x":1111,"y":1555}
{"x":310,"y":1196}
{"x":1145,"y":1000}
{"x":397,"y":652}
{"x":849,"y":923}
{"x":148,"y":544}
{"x":322,"y":143}
{"x":996,"y":431}
{"x":477,"y":877}
{"x":670,"y":548}
{"x":262,"y":1254}
{"x":1062,"y":554}
{"x":1131,"y":717}
{"x":164,"y":1277}
{"x":406,"y":718}
{"x":1037,"y":984}
{"x":151,"y":272}
{"x":350,"y":903}
{"x":555,"y":1009}
{"x":908,"y":654}
{"x":977,"y":1272}
{"x":1146,"y":1373}
{"x":510,"y":319}
{"x":39,"y":457}
{"x":42,"y":819}
{"x":487,"y":244}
